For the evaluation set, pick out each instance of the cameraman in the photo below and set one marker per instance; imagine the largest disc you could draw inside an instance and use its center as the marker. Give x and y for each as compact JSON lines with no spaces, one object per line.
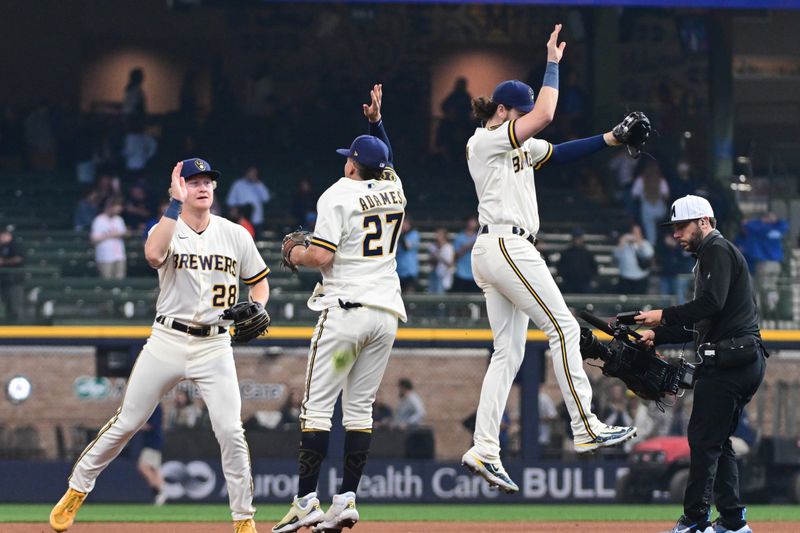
{"x":723,"y":322}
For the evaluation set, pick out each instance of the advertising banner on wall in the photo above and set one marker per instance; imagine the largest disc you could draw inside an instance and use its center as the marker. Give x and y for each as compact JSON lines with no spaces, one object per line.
{"x":276,"y":481}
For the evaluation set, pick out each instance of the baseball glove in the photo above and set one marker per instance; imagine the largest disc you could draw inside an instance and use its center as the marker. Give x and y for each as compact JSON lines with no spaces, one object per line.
{"x":250,"y":320}
{"x":633,"y":132}
{"x":297,"y":237}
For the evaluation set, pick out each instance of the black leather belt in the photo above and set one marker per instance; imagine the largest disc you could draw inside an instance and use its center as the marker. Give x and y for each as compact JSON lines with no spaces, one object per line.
{"x":348,"y":305}
{"x":516,"y":231}
{"x":201,"y":331}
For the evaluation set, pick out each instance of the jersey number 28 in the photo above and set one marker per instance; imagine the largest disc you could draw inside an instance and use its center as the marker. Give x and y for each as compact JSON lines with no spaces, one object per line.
{"x":375,"y":223}
{"x":224,"y":295}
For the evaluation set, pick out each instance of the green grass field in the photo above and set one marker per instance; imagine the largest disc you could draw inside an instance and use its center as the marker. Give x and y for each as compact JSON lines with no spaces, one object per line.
{"x":392,"y":513}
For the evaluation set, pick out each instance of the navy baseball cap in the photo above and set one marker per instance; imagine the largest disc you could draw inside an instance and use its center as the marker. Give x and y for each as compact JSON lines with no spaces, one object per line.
{"x":367,"y":150}
{"x":194,"y":166}
{"x":515,"y":94}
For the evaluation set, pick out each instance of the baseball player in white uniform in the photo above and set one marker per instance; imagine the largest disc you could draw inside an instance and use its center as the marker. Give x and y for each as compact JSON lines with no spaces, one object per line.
{"x":200,"y":259}
{"x":515,"y":280}
{"x":354,"y":245}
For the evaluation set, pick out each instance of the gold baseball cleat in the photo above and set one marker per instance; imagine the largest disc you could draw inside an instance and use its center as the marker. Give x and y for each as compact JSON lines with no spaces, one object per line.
{"x":63,"y":514}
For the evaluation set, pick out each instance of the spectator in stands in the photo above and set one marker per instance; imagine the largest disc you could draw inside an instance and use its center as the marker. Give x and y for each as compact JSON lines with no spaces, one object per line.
{"x":138,"y":208}
{"x":681,"y":183}
{"x":86,"y":210}
{"x":455,"y":125}
{"x":442,"y":256}
{"x":745,"y":432}
{"x":765,"y":236}
{"x":107,"y":185}
{"x":623,"y":167}
{"x":240,"y":215}
{"x":504,"y":435}
{"x":304,"y":202}
{"x":573,"y":105}
{"x":410,"y":410}
{"x":592,"y":188}
{"x":162,"y":208}
{"x":459,"y":101}
{"x":108,"y":233}
{"x":138,"y":148}
{"x":674,"y":263}
{"x":651,"y":191}
{"x":134,"y":103}
{"x":650,"y":420}
{"x":547,"y":417}
{"x":149,"y":464}
{"x":382,"y":415}
{"x":680,"y":415}
{"x":616,"y":410}
{"x":634,"y":255}
{"x":408,"y":256}
{"x":250,"y":190}
{"x":185,"y":413}
{"x":577,"y":266}
{"x":11,"y":258}
{"x":85,"y":148}
{"x":290,"y":410}
{"x":463,"y":280}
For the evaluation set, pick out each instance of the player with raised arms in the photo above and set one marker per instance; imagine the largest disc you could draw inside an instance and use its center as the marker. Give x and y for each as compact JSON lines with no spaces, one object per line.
{"x":502,"y":156}
{"x":200,"y":260}
{"x":353,"y":245}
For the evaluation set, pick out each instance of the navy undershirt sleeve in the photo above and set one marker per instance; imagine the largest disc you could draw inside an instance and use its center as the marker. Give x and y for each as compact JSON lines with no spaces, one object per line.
{"x":574,"y":150}
{"x":377,"y":130}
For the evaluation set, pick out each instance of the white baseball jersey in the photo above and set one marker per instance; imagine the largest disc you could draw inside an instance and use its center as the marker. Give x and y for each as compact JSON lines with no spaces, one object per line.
{"x":200,"y":277}
{"x":360,"y":222}
{"x":502,"y":169}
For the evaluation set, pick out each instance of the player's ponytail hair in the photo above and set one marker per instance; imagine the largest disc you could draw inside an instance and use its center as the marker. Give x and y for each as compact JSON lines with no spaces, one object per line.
{"x":368,"y":173}
{"x":483,"y":108}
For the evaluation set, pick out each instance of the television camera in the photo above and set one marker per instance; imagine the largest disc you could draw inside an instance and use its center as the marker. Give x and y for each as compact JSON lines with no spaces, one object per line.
{"x":638,"y":366}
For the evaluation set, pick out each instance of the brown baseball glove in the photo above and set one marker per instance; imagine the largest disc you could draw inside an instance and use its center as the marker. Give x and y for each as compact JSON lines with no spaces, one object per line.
{"x":297,"y":237}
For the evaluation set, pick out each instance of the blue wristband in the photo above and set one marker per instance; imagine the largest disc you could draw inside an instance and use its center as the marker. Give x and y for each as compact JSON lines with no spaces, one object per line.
{"x":551,"y":75}
{"x":174,"y":209}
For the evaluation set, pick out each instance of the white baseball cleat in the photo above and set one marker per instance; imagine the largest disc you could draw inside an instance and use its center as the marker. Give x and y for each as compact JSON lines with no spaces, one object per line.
{"x":608,"y":436}
{"x":341,"y":514}
{"x":494,"y":473}
{"x":304,"y":512}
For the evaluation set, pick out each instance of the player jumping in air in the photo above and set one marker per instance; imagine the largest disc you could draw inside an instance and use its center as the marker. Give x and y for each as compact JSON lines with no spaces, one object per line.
{"x":517,"y":284}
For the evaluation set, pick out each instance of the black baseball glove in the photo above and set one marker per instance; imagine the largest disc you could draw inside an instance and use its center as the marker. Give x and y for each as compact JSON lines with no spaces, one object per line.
{"x":250,"y":320}
{"x":297,"y":237}
{"x":633,"y":132}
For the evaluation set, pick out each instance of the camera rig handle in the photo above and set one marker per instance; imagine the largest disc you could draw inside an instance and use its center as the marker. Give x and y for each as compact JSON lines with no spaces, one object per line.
{"x":614,"y":329}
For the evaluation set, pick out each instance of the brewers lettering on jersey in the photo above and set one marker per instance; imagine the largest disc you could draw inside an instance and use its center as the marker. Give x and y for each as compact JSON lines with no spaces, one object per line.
{"x":354,"y":245}
{"x":502,"y":158}
{"x":200,"y":260}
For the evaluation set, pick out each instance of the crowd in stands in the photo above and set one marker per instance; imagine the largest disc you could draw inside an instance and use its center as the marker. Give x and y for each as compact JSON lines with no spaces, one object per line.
{"x":119,"y":158}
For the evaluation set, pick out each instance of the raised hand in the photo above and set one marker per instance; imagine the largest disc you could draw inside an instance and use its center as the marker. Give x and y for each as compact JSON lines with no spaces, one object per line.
{"x":555,"y":50}
{"x":178,"y":186}
{"x":373,"y":110}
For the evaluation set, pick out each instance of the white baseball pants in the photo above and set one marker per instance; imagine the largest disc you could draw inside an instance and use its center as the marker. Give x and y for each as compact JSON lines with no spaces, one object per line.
{"x":518,"y":286}
{"x":168,"y":357}
{"x":349,"y":353}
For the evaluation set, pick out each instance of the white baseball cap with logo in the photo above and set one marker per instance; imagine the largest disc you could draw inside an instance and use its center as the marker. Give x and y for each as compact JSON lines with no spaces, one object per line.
{"x":688,"y":208}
